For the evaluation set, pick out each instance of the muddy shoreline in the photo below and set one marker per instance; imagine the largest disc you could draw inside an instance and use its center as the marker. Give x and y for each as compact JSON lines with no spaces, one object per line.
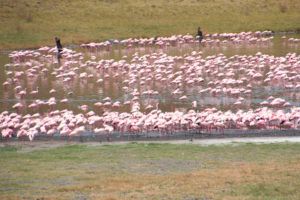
{"x":148,"y":137}
{"x":75,"y":45}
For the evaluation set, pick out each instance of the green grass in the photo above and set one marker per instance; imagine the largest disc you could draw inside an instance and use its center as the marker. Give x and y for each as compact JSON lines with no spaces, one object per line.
{"x":31,"y":23}
{"x":150,"y":171}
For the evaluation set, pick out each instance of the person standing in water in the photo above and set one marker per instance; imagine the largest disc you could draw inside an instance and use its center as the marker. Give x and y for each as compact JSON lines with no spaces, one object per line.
{"x":199,"y":35}
{"x":59,"y":49}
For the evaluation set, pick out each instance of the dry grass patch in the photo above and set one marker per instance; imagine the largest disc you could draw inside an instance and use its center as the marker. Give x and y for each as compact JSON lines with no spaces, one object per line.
{"x":31,"y":23}
{"x":269,"y":171}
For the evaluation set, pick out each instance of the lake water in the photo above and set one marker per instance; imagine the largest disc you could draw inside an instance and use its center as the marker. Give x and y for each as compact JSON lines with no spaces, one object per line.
{"x":89,"y":91}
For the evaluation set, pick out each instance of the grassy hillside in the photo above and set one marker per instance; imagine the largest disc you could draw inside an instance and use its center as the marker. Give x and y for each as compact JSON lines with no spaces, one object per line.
{"x":31,"y":23}
{"x":150,"y":171}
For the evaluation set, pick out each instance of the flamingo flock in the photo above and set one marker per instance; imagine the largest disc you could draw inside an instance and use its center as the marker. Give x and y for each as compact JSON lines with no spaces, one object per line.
{"x":151,"y":91}
{"x":175,"y":40}
{"x":65,"y":122}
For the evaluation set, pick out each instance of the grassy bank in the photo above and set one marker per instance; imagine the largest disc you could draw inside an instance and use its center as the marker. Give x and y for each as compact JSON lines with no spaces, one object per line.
{"x":150,"y":171}
{"x":31,"y":23}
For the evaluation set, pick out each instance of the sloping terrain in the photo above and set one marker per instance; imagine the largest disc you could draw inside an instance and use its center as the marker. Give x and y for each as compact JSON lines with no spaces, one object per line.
{"x":32,"y":23}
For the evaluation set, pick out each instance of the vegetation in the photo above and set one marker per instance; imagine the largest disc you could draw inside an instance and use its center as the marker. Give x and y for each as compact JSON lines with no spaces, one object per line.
{"x":150,"y":171}
{"x":32,"y":23}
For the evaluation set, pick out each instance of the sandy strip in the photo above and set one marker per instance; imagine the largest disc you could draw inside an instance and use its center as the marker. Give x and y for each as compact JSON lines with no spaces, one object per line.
{"x":222,"y":141}
{"x":38,"y":145}
{"x":256,"y":140}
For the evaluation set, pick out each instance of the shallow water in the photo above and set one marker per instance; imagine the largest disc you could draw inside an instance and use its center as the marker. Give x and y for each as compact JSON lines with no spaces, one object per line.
{"x":89,"y":92}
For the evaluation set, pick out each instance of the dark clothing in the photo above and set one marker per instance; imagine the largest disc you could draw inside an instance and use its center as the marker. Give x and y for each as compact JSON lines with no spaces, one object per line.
{"x":58,"y":44}
{"x":59,"y":49}
{"x":199,"y":35}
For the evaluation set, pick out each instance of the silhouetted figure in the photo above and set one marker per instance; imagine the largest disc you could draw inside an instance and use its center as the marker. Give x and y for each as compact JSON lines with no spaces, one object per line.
{"x":59,"y":49}
{"x":155,"y":40}
{"x":199,"y":35}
